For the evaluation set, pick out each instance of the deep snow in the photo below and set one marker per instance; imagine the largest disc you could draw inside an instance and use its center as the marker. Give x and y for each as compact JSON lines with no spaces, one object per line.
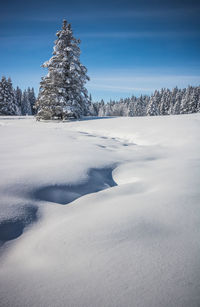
{"x":129,"y":234}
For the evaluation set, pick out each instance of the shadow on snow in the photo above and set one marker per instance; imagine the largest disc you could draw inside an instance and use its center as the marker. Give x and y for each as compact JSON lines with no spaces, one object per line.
{"x":98,"y":179}
{"x":12,"y":228}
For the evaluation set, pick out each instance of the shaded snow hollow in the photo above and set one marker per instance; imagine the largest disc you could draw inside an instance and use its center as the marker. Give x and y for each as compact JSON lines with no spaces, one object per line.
{"x":98,"y":179}
{"x":129,"y":234}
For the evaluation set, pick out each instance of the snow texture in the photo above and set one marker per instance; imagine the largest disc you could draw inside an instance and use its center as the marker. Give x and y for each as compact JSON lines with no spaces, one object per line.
{"x":129,"y":234}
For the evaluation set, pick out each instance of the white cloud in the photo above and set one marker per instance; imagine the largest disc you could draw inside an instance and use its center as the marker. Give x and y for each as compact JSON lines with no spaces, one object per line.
{"x":140,"y":34}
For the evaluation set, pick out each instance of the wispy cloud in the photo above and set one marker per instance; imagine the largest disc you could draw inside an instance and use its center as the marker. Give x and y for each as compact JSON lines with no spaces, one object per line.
{"x":140,"y":34}
{"x":88,"y":14}
{"x":47,"y":39}
{"x":32,"y":41}
{"x":131,"y":83}
{"x":118,"y":88}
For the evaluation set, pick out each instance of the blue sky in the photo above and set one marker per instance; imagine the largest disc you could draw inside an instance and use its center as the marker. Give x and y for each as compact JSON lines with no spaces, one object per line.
{"x":129,"y":47}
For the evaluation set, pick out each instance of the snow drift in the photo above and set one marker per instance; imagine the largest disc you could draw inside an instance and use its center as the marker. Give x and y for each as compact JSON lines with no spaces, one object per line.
{"x":129,"y":235}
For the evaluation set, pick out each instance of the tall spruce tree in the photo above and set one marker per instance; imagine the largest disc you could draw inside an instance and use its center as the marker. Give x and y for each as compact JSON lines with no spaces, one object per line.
{"x":164,"y":102}
{"x":25,"y":105}
{"x":140,"y":107}
{"x":18,"y":97}
{"x":172,"y":98}
{"x":184,"y":107}
{"x":8,"y":104}
{"x":62,"y":92}
{"x":31,"y":98}
{"x":198,"y":103}
{"x":177,"y":105}
{"x":153,"y":107}
{"x":193,"y":102}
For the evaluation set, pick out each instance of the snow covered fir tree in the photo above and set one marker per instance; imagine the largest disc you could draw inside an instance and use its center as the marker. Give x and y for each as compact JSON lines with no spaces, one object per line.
{"x":62,"y":91}
{"x":8,"y":102}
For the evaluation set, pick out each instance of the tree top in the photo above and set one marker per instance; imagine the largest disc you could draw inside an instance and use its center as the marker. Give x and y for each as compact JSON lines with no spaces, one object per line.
{"x":64,"y":24}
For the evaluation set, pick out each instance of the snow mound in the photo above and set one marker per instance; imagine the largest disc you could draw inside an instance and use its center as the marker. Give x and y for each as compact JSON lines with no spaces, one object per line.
{"x":129,"y":235}
{"x":97,"y":180}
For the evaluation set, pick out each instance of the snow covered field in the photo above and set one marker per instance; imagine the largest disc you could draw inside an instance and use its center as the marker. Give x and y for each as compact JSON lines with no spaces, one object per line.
{"x":101,"y":212}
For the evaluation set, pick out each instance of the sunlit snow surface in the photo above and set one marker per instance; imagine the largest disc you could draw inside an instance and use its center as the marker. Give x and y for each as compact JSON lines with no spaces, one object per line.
{"x":100,"y":212}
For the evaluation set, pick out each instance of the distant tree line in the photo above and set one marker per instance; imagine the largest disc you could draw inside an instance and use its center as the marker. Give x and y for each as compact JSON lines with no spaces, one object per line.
{"x":15,"y":101}
{"x":163,"y":102}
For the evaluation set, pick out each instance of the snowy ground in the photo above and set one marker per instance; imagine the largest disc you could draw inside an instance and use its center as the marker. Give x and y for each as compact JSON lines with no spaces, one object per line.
{"x":102,"y":212}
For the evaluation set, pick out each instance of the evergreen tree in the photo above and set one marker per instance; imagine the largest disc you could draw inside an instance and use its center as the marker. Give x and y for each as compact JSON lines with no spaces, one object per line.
{"x":91,"y":110}
{"x":31,"y":98}
{"x":62,"y":92}
{"x":8,"y":105}
{"x":101,"y":108}
{"x":131,"y":109}
{"x":25,"y":105}
{"x":140,"y":107}
{"x":18,"y":97}
{"x":193,"y":101}
{"x":177,"y":105}
{"x":90,"y":98}
{"x":153,"y":107}
{"x":198,"y":103}
{"x":126,"y":107}
{"x":164,"y":105}
{"x":172,"y":97}
{"x":184,"y":107}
